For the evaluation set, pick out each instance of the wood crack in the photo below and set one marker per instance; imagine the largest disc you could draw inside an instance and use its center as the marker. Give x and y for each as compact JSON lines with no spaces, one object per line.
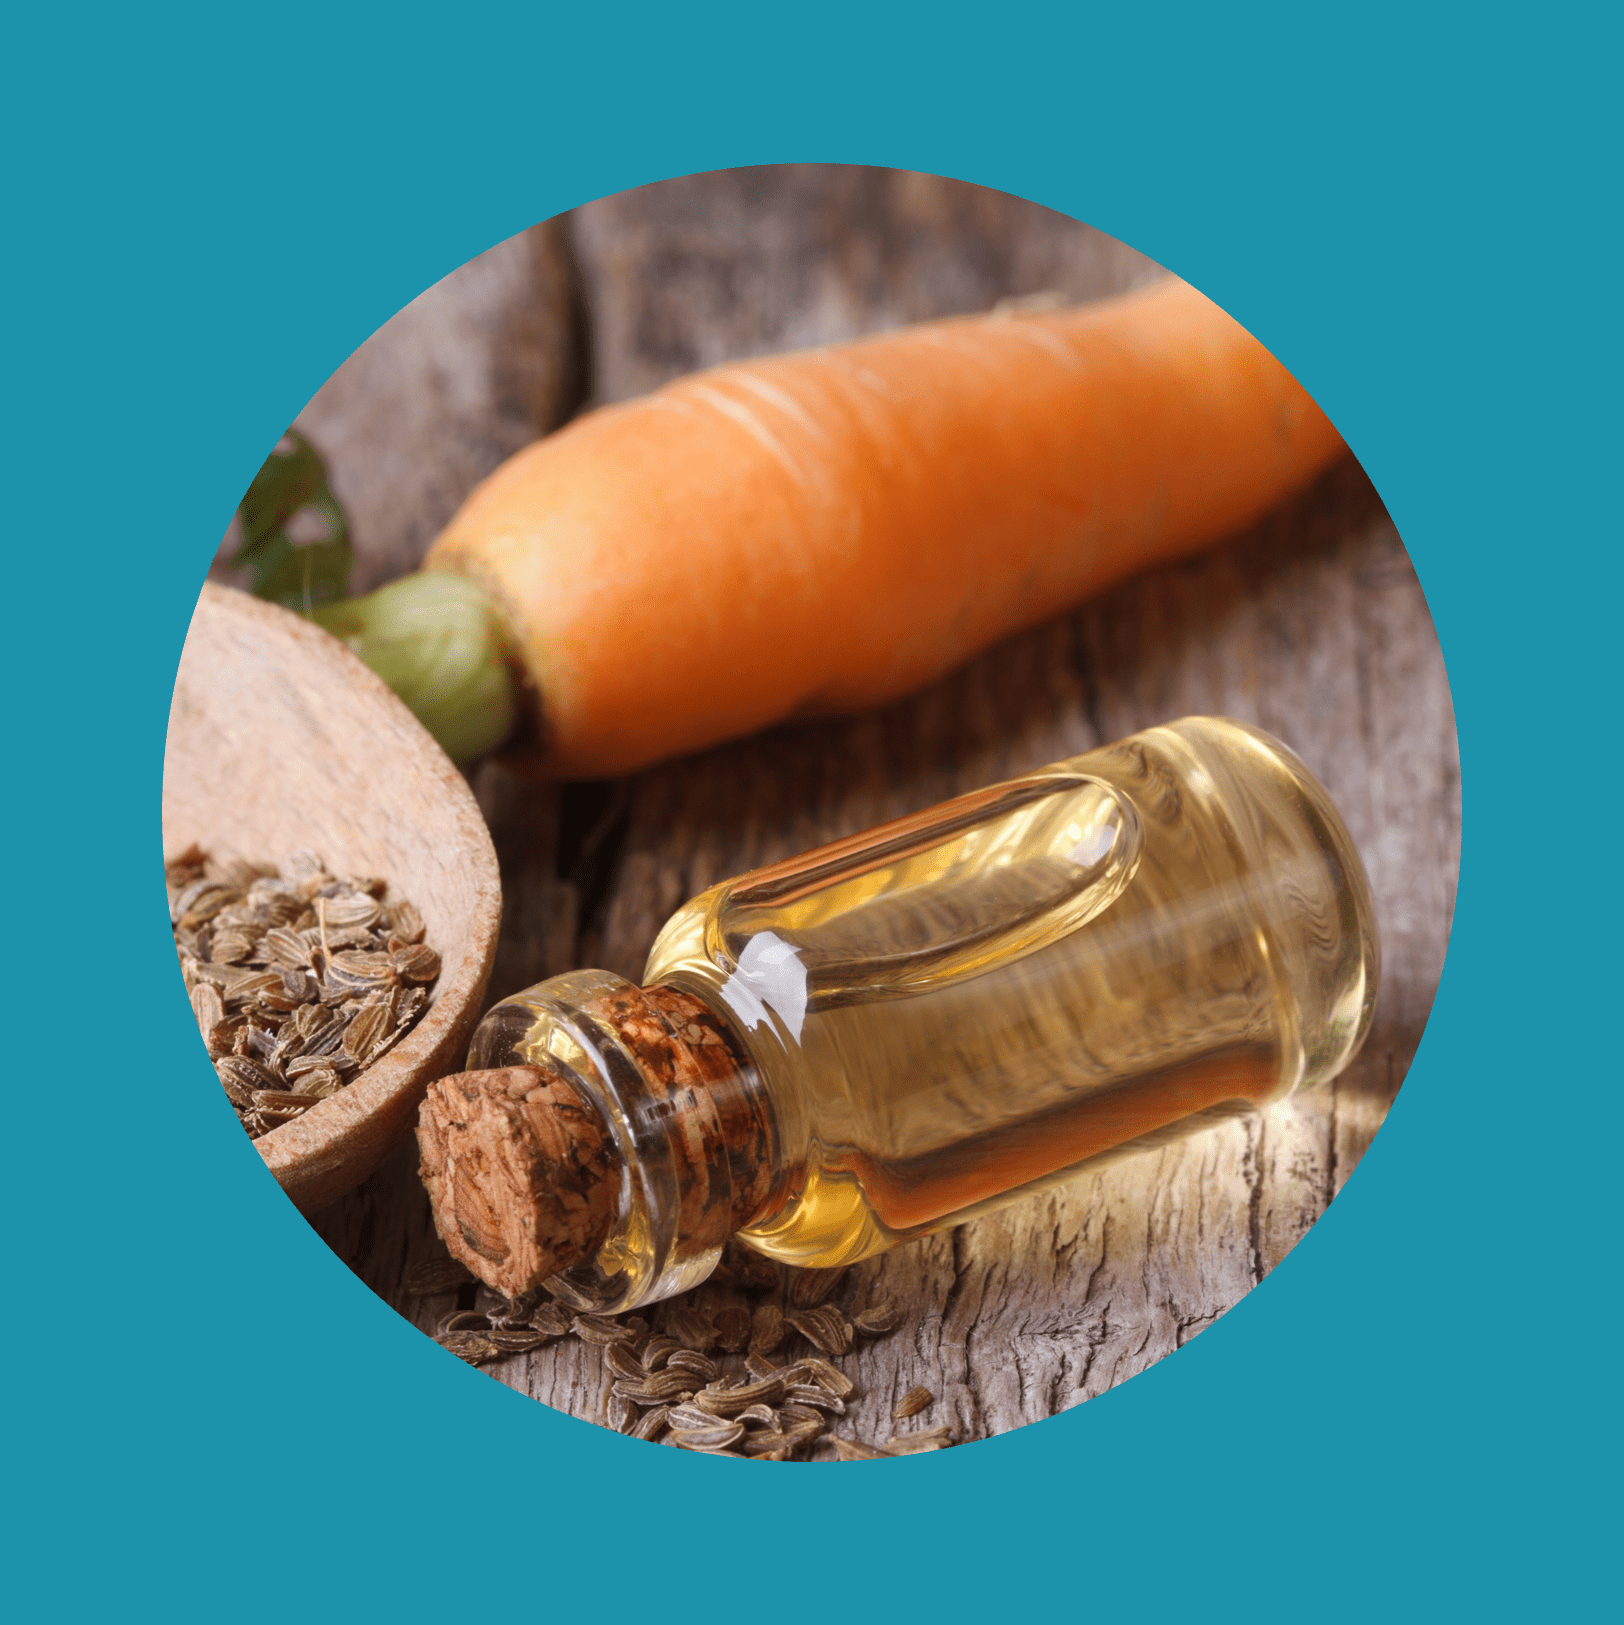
{"x":967,"y":1377}
{"x":1254,"y":1205}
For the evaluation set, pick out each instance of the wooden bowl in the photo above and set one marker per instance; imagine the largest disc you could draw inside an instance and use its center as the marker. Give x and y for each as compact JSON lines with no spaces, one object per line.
{"x":280,"y":738}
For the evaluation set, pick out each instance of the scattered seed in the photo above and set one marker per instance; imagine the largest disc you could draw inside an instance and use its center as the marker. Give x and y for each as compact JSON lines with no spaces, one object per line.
{"x":809,"y":1288}
{"x":601,"y":1330}
{"x":876,"y":1321}
{"x":732,"y":1327}
{"x":911,"y":1444}
{"x":912,"y":1403}
{"x":692,"y":1360}
{"x":851,"y":1450}
{"x":652,"y":1423}
{"x":752,"y":1271}
{"x":435,"y":1276}
{"x":797,"y":1438}
{"x":658,"y":1350}
{"x":826,"y":1376}
{"x":722,"y":1401}
{"x":618,"y":1358}
{"x":824,"y":1328}
{"x":550,"y":1320}
{"x":766,"y":1444}
{"x":717,"y":1437}
{"x":516,"y":1342}
{"x":687,"y":1415}
{"x":658,"y":1387}
{"x":767,"y":1329}
{"x":693,"y":1328}
{"x":474,"y":1347}
{"x":513,"y":1314}
{"x":809,"y":1393}
{"x":792,"y":1411}
{"x":669,"y":1387}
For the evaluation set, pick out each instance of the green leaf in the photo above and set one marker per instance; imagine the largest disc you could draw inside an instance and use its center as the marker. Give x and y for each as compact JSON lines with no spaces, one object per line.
{"x":296,"y":540}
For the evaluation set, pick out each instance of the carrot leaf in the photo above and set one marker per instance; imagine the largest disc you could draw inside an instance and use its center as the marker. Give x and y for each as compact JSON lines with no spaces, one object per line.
{"x":296,"y":540}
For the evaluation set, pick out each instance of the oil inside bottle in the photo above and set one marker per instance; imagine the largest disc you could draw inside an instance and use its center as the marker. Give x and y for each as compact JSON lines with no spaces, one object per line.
{"x":957,"y":1009}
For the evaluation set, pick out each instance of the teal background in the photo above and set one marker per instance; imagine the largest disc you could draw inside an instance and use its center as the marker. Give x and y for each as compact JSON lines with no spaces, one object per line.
{"x":1414,"y":1416}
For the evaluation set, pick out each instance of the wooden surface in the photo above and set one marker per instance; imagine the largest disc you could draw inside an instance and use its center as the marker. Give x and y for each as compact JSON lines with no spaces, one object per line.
{"x":472,"y":370}
{"x":1312,"y":626}
{"x":358,"y":781}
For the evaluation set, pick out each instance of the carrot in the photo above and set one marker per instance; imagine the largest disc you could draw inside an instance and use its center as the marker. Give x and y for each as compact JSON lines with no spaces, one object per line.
{"x":825,"y":531}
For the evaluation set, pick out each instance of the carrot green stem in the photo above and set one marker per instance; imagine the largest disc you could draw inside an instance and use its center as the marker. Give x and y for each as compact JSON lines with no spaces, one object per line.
{"x":437,"y":641}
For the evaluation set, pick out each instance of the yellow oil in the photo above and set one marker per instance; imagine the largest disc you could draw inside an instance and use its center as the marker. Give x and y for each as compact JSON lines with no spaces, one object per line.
{"x":956,"y":1010}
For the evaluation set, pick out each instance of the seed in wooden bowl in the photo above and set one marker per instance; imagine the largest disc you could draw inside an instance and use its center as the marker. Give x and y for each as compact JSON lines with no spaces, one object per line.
{"x":416,"y":962}
{"x":299,"y":981}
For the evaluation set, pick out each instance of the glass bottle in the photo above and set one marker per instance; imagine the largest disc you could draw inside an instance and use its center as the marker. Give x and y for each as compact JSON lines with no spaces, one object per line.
{"x":904,"y":1030}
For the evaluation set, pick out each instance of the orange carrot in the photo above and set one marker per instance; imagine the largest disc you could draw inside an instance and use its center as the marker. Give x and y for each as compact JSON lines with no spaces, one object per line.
{"x":822,"y":532}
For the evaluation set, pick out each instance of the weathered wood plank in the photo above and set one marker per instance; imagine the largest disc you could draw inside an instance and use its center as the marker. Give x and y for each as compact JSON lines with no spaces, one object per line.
{"x":471,"y":371}
{"x":1312,"y":626}
{"x":711,"y":268}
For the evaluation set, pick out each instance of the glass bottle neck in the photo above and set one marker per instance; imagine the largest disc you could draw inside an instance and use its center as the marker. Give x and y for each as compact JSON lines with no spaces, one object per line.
{"x":691,"y":1123}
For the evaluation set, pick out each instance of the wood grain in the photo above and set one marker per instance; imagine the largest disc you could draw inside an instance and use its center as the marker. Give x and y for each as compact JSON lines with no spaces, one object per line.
{"x":1313,"y":626}
{"x":744,"y":262}
{"x":449,"y":387}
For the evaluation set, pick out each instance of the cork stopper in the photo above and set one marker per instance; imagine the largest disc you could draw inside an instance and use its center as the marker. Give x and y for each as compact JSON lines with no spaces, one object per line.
{"x":522,"y":1173}
{"x":651,"y":1140}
